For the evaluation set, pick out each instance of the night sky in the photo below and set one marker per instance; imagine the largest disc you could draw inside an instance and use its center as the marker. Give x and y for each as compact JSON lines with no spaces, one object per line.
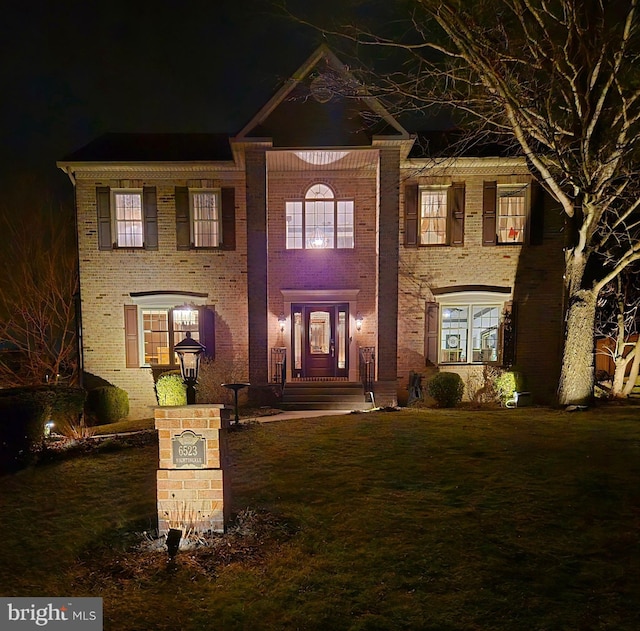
{"x":74,"y":69}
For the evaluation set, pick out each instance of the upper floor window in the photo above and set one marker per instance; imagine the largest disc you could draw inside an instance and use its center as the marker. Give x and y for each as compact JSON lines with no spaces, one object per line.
{"x":205,"y":218}
{"x":434,"y":215}
{"x":512,"y":213}
{"x":320,"y":221}
{"x":128,"y":219}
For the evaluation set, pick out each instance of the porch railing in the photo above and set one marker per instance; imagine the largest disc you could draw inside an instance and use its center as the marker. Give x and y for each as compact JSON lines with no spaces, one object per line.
{"x":367,"y":367}
{"x":279,"y":365}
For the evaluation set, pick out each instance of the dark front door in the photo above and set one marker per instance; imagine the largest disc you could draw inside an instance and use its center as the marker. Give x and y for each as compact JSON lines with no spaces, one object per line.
{"x":320,"y":340}
{"x":320,"y":347}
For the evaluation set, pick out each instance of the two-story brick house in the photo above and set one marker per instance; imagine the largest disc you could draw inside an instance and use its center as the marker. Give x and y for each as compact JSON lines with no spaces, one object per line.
{"x":322,"y":232}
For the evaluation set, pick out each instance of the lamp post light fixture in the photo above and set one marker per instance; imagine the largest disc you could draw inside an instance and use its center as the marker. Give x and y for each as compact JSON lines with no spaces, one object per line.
{"x":189,"y":352}
{"x":359,"y":321}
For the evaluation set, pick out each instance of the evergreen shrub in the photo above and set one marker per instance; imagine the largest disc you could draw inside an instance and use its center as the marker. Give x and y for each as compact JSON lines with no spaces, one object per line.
{"x":107,"y":404}
{"x":446,"y":388}
{"x":170,"y":389}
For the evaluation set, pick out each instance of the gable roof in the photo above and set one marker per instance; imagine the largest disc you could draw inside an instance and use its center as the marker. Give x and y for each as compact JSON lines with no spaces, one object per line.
{"x":114,"y":147}
{"x":321,"y":93}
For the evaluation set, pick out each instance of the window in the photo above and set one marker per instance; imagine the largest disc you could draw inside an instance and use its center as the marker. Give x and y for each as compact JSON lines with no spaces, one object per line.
{"x":470,"y":325}
{"x":152,"y":330}
{"x":434,"y":215}
{"x":320,"y":221}
{"x":162,"y":329}
{"x":469,"y":333}
{"x":511,"y":213}
{"x":128,"y":219}
{"x":205,"y":218}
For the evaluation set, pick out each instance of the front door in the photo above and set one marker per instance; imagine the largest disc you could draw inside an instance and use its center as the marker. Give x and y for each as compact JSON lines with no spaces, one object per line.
{"x":320,"y":340}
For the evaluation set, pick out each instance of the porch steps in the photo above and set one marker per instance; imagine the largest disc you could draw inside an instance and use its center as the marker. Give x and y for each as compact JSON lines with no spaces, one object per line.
{"x":324,"y":395}
{"x":635,"y":393}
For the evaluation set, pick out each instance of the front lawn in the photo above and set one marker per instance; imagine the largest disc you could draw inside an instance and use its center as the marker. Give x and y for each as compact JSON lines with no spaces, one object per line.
{"x":439,"y":520}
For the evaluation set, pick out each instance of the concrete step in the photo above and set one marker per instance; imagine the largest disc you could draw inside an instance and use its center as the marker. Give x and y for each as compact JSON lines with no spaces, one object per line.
{"x":324,"y":395}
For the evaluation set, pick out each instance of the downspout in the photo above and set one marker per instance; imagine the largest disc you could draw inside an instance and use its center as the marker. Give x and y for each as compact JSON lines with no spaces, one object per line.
{"x":76,"y":297}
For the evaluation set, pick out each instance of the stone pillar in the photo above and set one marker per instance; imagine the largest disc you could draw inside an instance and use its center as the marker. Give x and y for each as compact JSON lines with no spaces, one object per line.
{"x":192,"y":484}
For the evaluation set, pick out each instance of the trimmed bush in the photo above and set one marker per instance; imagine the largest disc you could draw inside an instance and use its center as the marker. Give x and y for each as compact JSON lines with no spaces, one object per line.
{"x":506,"y":384}
{"x":446,"y":388}
{"x":107,"y":404}
{"x":23,"y":412}
{"x":170,"y":389}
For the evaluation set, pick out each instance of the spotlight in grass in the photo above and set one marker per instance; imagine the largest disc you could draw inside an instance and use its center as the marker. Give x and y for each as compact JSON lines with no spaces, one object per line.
{"x":48,"y":426}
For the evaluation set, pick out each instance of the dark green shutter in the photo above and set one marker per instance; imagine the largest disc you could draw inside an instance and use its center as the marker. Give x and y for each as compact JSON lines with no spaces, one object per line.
{"x":411,"y":215}
{"x":489,"y":201}
{"x":183,"y":225}
{"x":228,"y":203}
{"x":150,"y":207}
{"x":103,"y":204}
{"x":431,"y":325}
{"x":456,"y":213}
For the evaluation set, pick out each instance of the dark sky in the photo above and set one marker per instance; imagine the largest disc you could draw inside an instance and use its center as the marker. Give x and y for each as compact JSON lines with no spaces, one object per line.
{"x":73,"y":69}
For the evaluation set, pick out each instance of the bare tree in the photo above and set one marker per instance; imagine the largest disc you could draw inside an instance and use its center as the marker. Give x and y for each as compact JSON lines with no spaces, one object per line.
{"x":558,"y":80}
{"x":617,"y":322}
{"x":37,"y":289}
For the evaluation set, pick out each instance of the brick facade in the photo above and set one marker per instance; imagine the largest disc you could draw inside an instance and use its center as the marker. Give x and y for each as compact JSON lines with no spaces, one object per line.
{"x":252,"y":286}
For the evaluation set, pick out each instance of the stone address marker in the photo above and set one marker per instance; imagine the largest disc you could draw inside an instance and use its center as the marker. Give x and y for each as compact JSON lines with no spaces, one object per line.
{"x":193,"y":488}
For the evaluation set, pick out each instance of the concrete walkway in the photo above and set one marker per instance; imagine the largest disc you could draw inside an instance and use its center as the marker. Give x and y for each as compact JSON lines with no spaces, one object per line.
{"x":285,"y":416}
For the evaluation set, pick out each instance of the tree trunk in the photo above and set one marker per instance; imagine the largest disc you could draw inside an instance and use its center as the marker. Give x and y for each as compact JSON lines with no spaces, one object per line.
{"x":576,"y":377}
{"x":635,"y":369}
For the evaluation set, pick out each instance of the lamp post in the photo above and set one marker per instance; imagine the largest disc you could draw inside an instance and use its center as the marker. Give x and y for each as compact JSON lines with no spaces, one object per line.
{"x":189,"y":352}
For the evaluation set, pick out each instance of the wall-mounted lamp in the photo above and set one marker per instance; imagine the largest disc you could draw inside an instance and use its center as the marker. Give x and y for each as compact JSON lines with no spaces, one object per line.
{"x":282,"y":321}
{"x":359,"y":320}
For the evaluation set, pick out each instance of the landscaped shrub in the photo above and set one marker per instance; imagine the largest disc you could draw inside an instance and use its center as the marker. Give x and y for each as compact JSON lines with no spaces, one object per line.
{"x":506,"y":384}
{"x":107,"y":404}
{"x":170,"y":389}
{"x":213,"y":373}
{"x":446,"y":388}
{"x":23,"y":412}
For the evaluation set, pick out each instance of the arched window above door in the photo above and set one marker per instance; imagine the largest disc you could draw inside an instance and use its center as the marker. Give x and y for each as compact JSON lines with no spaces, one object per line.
{"x":320,"y":221}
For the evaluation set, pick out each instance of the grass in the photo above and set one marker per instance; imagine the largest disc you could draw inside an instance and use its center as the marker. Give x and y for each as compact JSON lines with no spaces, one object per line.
{"x":433,"y":519}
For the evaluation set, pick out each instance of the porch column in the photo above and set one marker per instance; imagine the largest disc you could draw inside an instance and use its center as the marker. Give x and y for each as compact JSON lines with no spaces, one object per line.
{"x":257,"y":266}
{"x":388,"y":231}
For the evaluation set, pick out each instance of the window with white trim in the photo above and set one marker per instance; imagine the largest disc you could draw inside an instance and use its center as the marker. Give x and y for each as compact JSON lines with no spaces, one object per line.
{"x":162,"y":329}
{"x":128,"y":218}
{"x":205,"y":218}
{"x":320,"y":221}
{"x":469,"y":333}
{"x":433,"y":215}
{"x":511,"y":213}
